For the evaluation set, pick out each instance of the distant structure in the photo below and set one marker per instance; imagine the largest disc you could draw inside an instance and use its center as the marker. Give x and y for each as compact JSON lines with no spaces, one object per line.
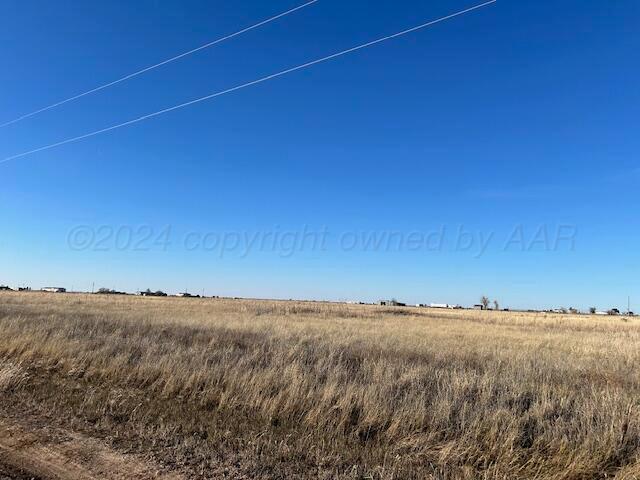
{"x":187,"y":295}
{"x":391,"y":303}
{"x":54,"y":290}
{"x":24,"y":289}
{"x":444,"y":305}
{"x":4,"y":288}
{"x":478,"y":306}
{"x":149,"y":293}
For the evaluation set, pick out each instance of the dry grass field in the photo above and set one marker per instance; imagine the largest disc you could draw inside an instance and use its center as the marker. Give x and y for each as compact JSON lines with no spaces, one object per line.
{"x":257,"y":389}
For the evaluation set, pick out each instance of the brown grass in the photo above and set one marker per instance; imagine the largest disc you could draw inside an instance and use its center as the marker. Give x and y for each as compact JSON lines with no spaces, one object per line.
{"x":12,"y":377}
{"x":302,"y":389}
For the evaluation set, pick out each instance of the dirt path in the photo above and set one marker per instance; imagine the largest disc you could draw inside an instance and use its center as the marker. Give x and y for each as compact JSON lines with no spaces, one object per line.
{"x":55,"y":454}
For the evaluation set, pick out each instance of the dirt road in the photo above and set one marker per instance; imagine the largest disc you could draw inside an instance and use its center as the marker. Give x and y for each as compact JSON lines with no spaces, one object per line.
{"x":55,"y":454}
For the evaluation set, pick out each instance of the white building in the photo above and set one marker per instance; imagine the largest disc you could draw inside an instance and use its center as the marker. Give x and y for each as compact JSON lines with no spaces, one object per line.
{"x":444,"y":305}
{"x":54,"y":289}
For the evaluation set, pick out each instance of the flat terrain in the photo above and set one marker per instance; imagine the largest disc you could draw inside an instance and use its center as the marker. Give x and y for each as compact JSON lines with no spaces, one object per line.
{"x":127,"y":387}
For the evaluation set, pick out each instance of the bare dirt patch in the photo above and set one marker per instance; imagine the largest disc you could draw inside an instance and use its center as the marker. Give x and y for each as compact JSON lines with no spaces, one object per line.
{"x":55,"y":454}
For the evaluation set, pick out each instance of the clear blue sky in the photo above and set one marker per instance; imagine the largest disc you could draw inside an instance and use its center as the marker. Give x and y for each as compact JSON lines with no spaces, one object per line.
{"x":519,"y":116}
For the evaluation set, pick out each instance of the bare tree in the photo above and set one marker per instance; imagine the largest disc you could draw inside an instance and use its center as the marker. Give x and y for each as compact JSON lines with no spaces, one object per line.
{"x":496,"y":305}
{"x":485,"y":302}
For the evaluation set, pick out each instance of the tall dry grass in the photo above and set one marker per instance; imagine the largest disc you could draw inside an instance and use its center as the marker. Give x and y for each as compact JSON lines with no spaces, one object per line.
{"x":343,"y":391}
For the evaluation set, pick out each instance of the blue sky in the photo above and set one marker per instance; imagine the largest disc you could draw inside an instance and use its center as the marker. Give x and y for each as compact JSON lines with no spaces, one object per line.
{"x":516,"y":124}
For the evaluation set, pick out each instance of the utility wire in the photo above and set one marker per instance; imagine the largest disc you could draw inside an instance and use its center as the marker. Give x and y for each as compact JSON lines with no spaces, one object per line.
{"x":157,"y":65}
{"x":249,"y":84}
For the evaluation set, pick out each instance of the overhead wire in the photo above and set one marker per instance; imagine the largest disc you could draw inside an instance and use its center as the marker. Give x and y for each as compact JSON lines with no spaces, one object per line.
{"x":251,"y":83}
{"x":160,"y":64}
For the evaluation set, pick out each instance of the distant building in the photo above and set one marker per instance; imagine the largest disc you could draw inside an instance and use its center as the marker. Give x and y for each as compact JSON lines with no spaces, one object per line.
{"x":444,"y":305}
{"x":391,"y":303}
{"x":54,"y":290}
{"x":478,"y":307}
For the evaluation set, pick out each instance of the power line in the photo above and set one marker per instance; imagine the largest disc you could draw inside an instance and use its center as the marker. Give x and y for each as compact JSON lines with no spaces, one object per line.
{"x":157,"y":65}
{"x":248,"y":84}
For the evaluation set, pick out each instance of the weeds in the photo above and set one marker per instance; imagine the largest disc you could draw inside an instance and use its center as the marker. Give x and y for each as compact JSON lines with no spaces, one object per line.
{"x":397,"y":393}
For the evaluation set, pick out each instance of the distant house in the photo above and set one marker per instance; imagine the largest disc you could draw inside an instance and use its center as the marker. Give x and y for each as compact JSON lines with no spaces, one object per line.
{"x":478,"y":307}
{"x":54,"y":290}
